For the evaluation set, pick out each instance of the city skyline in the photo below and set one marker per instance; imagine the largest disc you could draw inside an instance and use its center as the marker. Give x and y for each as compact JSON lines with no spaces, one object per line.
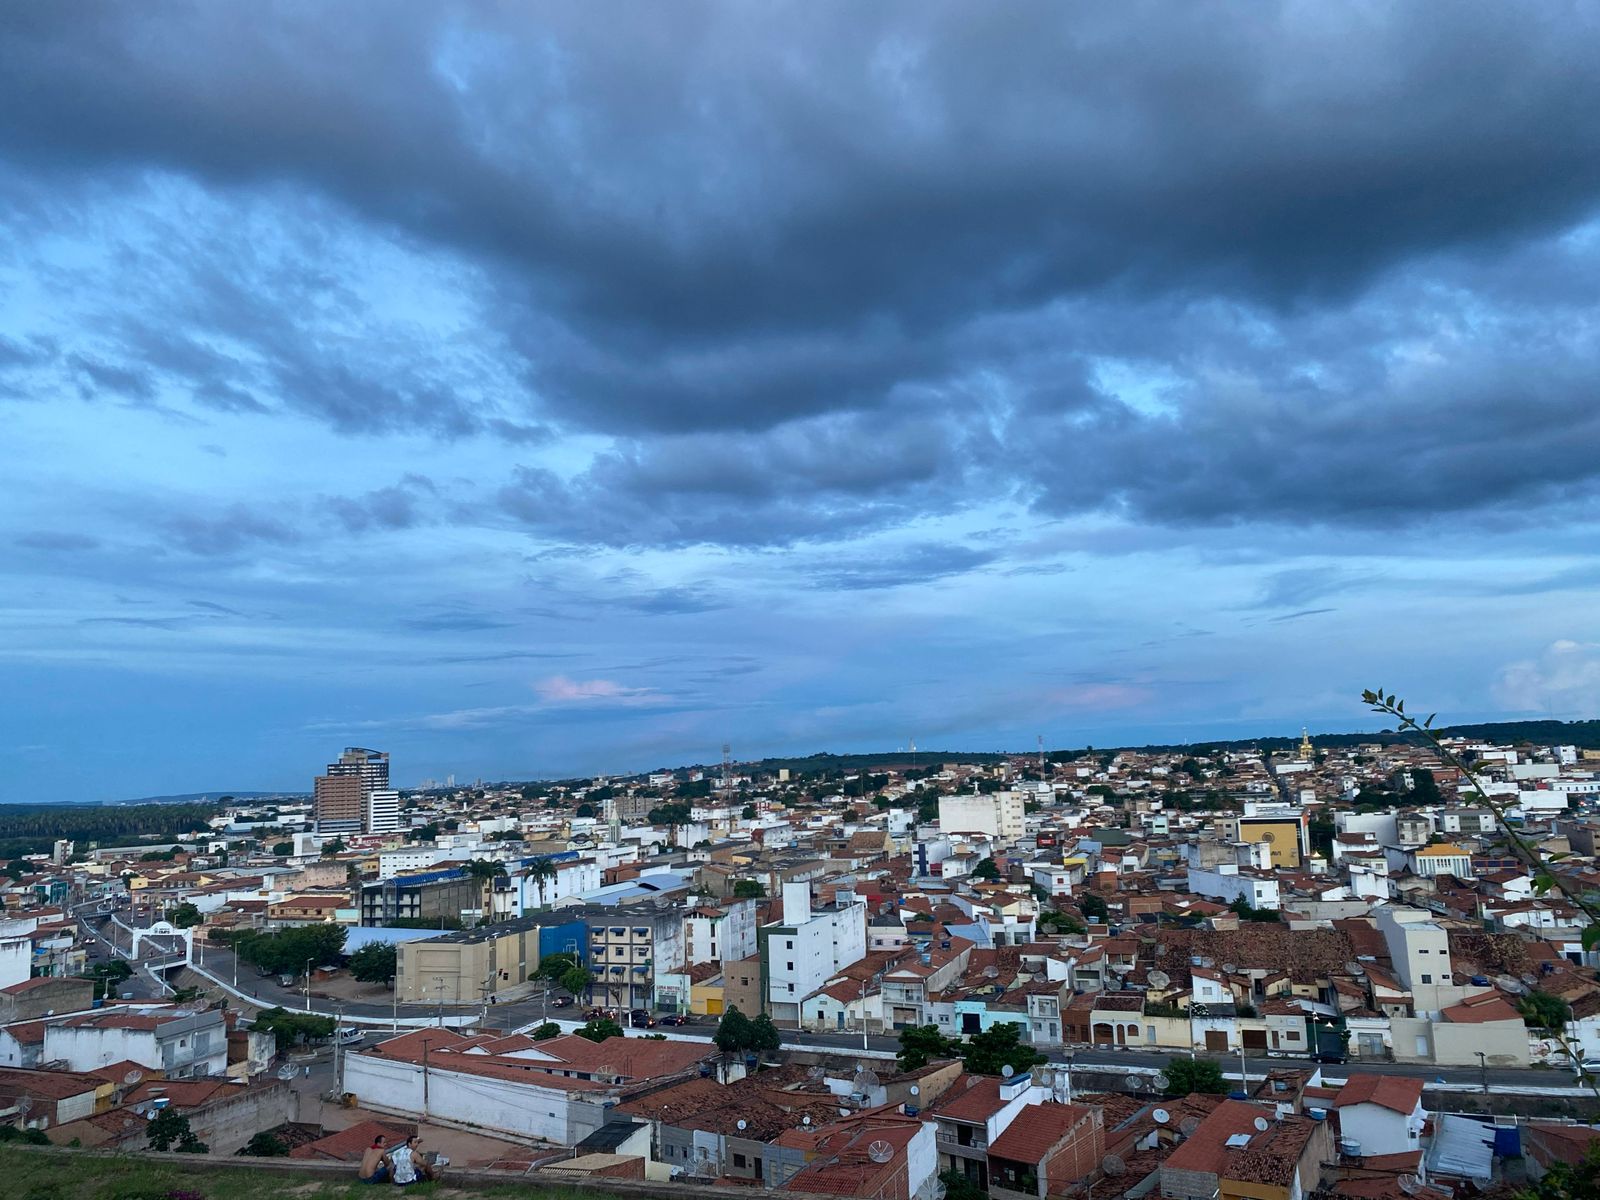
{"x":567,"y":396}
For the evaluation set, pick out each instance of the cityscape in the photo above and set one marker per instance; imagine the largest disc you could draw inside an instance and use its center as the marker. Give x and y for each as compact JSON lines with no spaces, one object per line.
{"x":645,"y":599}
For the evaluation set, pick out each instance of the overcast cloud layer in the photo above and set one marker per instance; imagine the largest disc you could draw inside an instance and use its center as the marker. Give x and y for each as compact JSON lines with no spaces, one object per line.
{"x":538,"y":390}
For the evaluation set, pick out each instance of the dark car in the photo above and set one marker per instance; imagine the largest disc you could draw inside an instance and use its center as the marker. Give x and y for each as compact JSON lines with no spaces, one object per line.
{"x":673,"y":1019}
{"x":561,"y":1002}
{"x":640,"y":1018}
{"x":1329,"y":1056}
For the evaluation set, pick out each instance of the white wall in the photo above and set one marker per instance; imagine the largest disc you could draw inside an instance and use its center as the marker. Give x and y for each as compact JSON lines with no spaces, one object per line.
{"x":1381,"y":1130}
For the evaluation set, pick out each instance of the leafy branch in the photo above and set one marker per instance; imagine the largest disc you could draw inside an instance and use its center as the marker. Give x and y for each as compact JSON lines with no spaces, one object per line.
{"x":1544,"y":878}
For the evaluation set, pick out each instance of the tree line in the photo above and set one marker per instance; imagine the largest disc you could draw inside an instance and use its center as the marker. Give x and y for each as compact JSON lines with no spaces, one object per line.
{"x":33,"y":828}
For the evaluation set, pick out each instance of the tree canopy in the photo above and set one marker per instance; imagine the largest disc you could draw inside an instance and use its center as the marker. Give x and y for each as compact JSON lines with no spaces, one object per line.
{"x":1189,"y":1075}
{"x":289,"y":950}
{"x":749,"y":889}
{"x":376,"y":962}
{"x":922,"y":1044}
{"x":1000,"y":1046}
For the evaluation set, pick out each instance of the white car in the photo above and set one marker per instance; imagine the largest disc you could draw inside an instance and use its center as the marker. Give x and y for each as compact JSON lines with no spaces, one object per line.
{"x":347,"y":1035}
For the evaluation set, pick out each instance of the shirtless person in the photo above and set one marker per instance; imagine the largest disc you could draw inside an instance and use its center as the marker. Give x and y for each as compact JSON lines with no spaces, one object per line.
{"x":374,"y":1164}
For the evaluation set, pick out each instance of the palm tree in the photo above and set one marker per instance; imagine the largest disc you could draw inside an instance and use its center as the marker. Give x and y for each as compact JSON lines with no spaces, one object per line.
{"x":541,"y":871}
{"x":486,"y":873}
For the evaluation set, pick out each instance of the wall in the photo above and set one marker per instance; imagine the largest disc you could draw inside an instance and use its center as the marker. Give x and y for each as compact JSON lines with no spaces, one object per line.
{"x":227,"y":1125}
{"x":1504,"y":1043}
{"x":1380,"y":1130}
{"x":472,"y":1101}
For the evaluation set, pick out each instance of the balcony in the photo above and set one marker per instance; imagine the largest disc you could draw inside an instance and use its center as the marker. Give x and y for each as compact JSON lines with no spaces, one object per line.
{"x":976,"y":1146}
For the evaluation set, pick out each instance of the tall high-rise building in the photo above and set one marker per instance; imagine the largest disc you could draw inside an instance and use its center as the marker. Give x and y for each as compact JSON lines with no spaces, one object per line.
{"x":340,"y":801}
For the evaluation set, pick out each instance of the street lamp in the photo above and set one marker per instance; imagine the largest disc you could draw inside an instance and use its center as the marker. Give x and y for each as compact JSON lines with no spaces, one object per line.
{"x":309,"y":961}
{"x":1067,"y":1060}
{"x":1483,"y":1066}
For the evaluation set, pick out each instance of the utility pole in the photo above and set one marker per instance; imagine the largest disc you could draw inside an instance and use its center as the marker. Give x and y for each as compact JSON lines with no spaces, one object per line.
{"x":338,"y":1022}
{"x":1483,"y":1066}
{"x":425,"y":1048}
{"x":309,"y":961}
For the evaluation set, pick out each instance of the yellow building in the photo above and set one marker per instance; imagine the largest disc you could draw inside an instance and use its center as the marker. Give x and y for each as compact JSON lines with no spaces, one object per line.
{"x":1282,"y":834}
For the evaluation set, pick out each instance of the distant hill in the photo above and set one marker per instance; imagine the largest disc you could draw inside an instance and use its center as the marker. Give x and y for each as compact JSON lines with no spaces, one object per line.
{"x":1585,"y":735}
{"x":204,"y":797}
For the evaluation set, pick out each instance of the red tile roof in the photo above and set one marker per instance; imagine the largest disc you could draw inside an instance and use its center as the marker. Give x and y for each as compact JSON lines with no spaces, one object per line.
{"x":973,"y":1098}
{"x":1400,"y":1093}
{"x":1034,"y":1132}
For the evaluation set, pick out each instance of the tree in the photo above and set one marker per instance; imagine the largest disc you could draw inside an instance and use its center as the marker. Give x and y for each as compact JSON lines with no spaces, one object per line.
{"x":337,"y":846}
{"x":554,"y":966}
{"x":483,"y":870}
{"x":1423,"y":786}
{"x":375,"y":962}
{"x":292,"y":1028}
{"x":575,"y":981}
{"x":958,"y":1187}
{"x":764,"y":1038}
{"x":922,"y":1044}
{"x":675,"y":813}
{"x":184,"y":915}
{"x":1093,"y":908}
{"x":264,"y":1145}
{"x":1543,"y":1010}
{"x":734,"y":1031}
{"x":1060,"y":922}
{"x":541,"y":871}
{"x":1186,"y":1076}
{"x":1000,"y":1046}
{"x":987,"y":870}
{"x":107,"y":975}
{"x":749,"y":889}
{"x":584,"y":810}
{"x":1568,"y":1181}
{"x":546,"y":1031}
{"x":169,"y":1130}
{"x":601,"y":1028}
{"x":282,"y":849}
{"x":17,"y":869}
{"x":289,"y":950}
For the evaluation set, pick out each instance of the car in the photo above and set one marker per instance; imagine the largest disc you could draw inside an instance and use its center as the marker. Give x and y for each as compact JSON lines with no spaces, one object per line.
{"x":1329,"y":1056}
{"x":673,"y":1019}
{"x":640,"y":1018}
{"x":562,"y":1002}
{"x":348,"y":1035}
{"x":1589,"y":1066}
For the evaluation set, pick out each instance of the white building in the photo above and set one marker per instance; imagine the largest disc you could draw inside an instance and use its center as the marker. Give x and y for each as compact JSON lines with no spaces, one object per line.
{"x":999,"y":815}
{"x":1227,"y":883}
{"x":714,"y":933}
{"x":1381,"y":1114}
{"x":383,"y":811}
{"x":1419,"y":948}
{"x":807,"y":947}
{"x":16,"y":950}
{"x":575,"y":877}
{"x":182,"y":1043}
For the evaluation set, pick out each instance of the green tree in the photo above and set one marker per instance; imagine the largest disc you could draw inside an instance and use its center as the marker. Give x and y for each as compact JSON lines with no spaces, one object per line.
{"x":107,"y":975}
{"x":1568,"y":1181}
{"x":291,"y":1028}
{"x":337,"y":846}
{"x":1424,"y":787}
{"x":1093,"y":908}
{"x":675,"y":813}
{"x":1543,"y":1010}
{"x":1000,"y":1046}
{"x":554,"y":966}
{"x":958,"y":1187}
{"x":749,"y":889}
{"x":1186,"y":1076}
{"x":922,"y":1044}
{"x":987,"y":870}
{"x":734,"y":1031}
{"x":541,"y":871}
{"x":184,"y":915}
{"x":601,"y":1028}
{"x":748,"y":813}
{"x":764,"y":1038}
{"x":169,"y":1130}
{"x":282,"y":849}
{"x":376,"y":962}
{"x":584,"y":810}
{"x":575,"y":981}
{"x":17,"y":869}
{"x":264,"y":1145}
{"x":545,"y":1032}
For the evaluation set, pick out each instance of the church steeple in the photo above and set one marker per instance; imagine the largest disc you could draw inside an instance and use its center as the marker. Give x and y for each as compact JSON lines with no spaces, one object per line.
{"x":1307,"y":750}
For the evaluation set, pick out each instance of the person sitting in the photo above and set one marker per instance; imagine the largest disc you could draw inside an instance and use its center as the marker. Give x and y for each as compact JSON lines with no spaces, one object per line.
{"x":374,"y":1163}
{"x":406,"y":1164}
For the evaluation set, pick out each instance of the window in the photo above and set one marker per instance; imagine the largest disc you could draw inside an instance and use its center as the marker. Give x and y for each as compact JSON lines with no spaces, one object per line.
{"x":788,"y":966}
{"x":1427,"y":979}
{"x":738,"y":1160}
{"x":791,"y":989}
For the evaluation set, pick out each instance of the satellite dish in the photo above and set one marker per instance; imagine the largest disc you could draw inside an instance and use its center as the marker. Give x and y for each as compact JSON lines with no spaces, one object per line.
{"x":1208,"y":963}
{"x":991,"y":972}
{"x":1262,"y":1124}
{"x":1228,"y":968}
{"x":865,"y":1080}
{"x":937,"y":1192}
{"x":287,"y":1071}
{"x":741,"y":1124}
{"x":1188,"y":1125}
{"x":24,"y":1105}
{"x":1354,"y":968}
{"x":1409,"y":1184}
{"x":806,"y":1120}
{"x":1007,"y":1070}
{"x":843,"y":1111}
{"x":1133,"y":1082}
{"x":1513,"y":986}
{"x":1161,"y":1116}
{"x":1161,"y":1081}
{"x":1531,"y":980}
{"x":1161,"y":950}
{"x":915,"y":1090}
{"x":1113,"y":1165}
{"x":1158,"y":979}
{"x":816,"y":1073}
{"x":132,"y":1077}
{"x":880,"y":1151}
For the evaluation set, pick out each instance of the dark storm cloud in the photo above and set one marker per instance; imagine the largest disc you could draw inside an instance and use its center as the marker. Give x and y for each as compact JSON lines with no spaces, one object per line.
{"x":826,"y":270}
{"x":917,"y":564}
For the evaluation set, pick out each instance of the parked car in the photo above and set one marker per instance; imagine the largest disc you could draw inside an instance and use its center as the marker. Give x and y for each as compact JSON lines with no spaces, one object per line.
{"x":640,"y":1018}
{"x":673,"y":1019}
{"x":348,"y":1035}
{"x":1329,"y":1056}
{"x":562,"y":1002}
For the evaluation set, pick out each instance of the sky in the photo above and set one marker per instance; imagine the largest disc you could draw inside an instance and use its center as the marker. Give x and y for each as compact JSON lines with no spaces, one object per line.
{"x":534,"y":390}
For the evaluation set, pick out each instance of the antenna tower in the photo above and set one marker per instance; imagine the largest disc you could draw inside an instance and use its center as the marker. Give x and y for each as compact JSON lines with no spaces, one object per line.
{"x":1041,"y":752}
{"x":727,"y":765}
